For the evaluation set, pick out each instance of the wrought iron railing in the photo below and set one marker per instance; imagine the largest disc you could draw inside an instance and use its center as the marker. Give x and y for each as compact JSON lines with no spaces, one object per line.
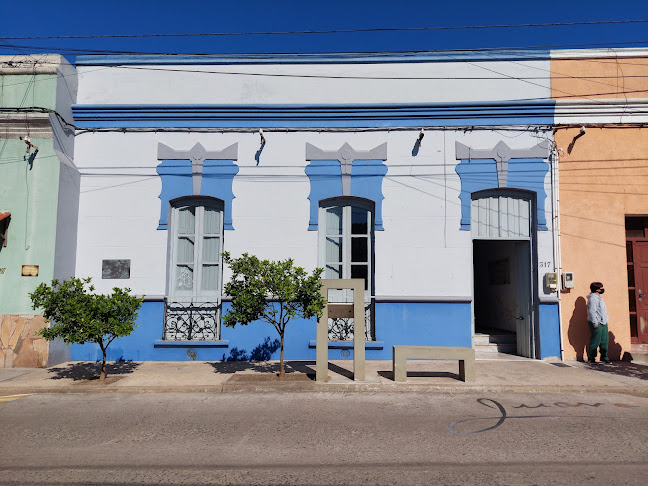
{"x":193,"y":321}
{"x":341,"y":328}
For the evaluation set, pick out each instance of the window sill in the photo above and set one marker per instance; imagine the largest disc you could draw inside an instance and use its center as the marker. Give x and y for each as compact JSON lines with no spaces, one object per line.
{"x":190,"y":344}
{"x":349,"y":344}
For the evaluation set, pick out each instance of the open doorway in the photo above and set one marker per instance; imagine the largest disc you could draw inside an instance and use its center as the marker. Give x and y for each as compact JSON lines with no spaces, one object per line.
{"x":502,"y":302}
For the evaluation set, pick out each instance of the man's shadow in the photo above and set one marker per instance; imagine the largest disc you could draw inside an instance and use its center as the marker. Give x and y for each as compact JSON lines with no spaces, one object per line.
{"x":578,"y":332}
{"x":614,"y":348}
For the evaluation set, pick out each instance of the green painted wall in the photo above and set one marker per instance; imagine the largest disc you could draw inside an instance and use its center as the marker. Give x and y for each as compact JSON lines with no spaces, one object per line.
{"x":24,"y":91}
{"x":31,"y":195}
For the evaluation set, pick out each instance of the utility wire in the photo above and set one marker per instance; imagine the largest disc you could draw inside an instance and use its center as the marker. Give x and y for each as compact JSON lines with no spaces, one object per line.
{"x":558,"y":76}
{"x":465,"y":128}
{"x":298,"y":55}
{"x":336,"y":31}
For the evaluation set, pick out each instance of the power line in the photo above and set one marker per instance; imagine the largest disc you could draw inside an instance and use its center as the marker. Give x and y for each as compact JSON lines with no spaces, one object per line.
{"x":619,"y":112}
{"x":502,"y":77}
{"x":335,"y":31}
{"x":71,"y":50}
{"x":558,"y":76}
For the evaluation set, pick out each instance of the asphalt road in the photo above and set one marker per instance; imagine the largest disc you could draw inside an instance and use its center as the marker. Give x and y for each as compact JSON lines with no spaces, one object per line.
{"x":324,"y":438}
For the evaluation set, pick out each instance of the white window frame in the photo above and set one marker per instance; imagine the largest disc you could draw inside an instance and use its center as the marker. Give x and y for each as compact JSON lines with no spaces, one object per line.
{"x":347,"y":204}
{"x":196,"y":294}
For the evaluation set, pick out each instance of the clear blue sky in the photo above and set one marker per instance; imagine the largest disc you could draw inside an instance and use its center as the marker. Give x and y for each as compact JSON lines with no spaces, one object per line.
{"x":94,"y":17}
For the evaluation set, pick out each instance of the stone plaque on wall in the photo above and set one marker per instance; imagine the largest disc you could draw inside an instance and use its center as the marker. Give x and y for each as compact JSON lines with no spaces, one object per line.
{"x":115,"y":269}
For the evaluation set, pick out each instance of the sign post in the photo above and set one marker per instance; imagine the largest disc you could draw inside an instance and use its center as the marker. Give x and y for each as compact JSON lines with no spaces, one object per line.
{"x":342,"y":310}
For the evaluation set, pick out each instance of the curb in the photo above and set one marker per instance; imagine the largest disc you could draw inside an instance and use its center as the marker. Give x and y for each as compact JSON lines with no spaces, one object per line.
{"x":260,"y":387}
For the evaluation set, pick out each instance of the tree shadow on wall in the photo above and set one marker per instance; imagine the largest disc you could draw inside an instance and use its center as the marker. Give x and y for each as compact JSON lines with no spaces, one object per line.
{"x":257,"y":360}
{"x":578,"y":332}
{"x":91,"y":371}
{"x":263,"y":352}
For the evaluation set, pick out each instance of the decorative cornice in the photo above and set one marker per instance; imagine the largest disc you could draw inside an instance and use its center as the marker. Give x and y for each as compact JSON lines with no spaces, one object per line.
{"x":603,"y":53}
{"x":31,"y":64}
{"x":346,"y":155}
{"x":285,"y":116}
{"x":501,"y":153}
{"x":618,"y":110}
{"x":197,"y":155}
{"x":316,"y":58}
{"x":37,"y":125}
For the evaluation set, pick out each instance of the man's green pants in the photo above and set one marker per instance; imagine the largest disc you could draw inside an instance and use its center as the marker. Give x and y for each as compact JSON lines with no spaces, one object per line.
{"x":598,"y":339}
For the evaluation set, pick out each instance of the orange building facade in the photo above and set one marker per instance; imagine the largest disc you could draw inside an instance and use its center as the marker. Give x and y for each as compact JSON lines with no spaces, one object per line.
{"x":601,"y":138}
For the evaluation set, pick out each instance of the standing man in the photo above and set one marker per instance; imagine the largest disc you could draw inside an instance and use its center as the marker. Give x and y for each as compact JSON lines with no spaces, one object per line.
{"x":597,"y":320}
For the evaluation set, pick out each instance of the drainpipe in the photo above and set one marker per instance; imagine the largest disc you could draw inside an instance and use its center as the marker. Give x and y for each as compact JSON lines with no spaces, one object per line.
{"x":556,"y":235}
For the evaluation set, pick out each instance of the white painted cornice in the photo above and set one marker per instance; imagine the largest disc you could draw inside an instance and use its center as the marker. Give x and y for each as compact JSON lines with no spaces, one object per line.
{"x":14,"y":125}
{"x":607,"y":53}
{"x":601,"y":111}
{"x":32,"y":64}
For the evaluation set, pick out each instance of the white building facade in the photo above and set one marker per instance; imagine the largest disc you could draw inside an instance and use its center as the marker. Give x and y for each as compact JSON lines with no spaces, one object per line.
{"x":430,"y":176}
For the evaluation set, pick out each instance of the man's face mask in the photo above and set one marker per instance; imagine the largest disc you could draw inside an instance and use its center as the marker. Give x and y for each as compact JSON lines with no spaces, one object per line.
{"x":601,"y":291}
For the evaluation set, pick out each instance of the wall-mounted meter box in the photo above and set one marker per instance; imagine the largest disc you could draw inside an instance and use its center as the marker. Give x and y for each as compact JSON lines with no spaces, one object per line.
{"x":551,"y":280}
{"x":568,"y":280}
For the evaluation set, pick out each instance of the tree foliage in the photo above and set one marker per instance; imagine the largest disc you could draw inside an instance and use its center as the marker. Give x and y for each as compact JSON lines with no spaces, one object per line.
{"x":272,"y":291}
{"x":80,"y":316}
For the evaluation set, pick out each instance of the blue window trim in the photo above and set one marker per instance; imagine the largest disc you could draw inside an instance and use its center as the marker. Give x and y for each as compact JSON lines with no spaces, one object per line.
{"x":217,"y":180}
{"x":326,"y":183}
{"x":481,"y":174}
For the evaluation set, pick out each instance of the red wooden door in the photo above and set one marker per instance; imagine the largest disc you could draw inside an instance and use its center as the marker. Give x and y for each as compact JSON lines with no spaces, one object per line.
{"x":640,"y":252}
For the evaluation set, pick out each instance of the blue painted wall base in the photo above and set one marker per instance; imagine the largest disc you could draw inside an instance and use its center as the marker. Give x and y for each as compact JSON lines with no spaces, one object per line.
{"x":549,"y":330}
{"x":434,"y":324}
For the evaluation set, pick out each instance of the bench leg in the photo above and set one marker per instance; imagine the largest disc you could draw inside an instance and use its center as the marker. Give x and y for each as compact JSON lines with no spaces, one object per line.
{"x":467,"y":370}
{"x":399,"y":369}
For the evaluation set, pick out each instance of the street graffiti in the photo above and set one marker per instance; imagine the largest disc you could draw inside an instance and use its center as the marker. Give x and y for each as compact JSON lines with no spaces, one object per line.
{"x":562,"y":405}
{"x":504,"y":416}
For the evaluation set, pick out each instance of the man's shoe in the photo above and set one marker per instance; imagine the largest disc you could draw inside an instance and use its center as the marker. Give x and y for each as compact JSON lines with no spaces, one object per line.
{"x":591,"y":361}
{"x":605,"y":361}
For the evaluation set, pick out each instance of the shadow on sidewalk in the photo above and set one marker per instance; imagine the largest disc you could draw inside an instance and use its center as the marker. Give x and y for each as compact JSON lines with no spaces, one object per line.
{"x":91,"y":371}
{"x":422,"y":374}
{"x":231,"y":367}
{"x":622,"y":368}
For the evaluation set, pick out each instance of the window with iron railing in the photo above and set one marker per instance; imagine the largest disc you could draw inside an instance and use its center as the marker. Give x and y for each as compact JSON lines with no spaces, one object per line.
{"x":195,"y":269}
{"x":346,"y":240}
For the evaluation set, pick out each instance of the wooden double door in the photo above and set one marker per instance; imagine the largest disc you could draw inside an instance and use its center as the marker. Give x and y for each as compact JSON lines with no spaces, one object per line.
{"x":637,"y":258}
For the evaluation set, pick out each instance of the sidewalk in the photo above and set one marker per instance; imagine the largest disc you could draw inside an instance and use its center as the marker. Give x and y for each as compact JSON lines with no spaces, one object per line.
{"x":522,"y":375}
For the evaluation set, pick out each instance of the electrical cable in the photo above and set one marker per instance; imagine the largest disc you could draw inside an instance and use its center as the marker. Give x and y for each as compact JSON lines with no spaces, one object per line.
{"x":337,"y":31}
{"x":302,"y":55}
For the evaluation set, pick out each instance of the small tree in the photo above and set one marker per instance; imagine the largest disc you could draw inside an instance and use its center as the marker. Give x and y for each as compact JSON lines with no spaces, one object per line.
{"x":81,"y":316}
{"x":273,"y":292}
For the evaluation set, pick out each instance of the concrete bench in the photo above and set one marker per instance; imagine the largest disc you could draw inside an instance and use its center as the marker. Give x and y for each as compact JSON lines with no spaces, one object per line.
{"x":466,"y":357}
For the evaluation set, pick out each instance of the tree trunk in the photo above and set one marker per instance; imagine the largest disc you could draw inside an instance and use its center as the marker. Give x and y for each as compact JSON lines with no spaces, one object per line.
{"x":102,"y":376}
{"x":282,"y":372}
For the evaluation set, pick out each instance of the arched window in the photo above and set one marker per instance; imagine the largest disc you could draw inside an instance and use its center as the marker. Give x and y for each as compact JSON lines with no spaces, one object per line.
{"x":346,"y":250}
{"x":196,"y":242}
{"x":192,"y":310}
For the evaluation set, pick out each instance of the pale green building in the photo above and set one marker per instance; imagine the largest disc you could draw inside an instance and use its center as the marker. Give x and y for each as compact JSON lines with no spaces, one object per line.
{"x":39,"y":198}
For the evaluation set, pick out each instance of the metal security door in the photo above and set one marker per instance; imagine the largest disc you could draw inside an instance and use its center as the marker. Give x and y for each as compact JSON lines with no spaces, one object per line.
{"x":640,"y":251}
{"x":524,"y":321}
{"x":507,"y":215}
